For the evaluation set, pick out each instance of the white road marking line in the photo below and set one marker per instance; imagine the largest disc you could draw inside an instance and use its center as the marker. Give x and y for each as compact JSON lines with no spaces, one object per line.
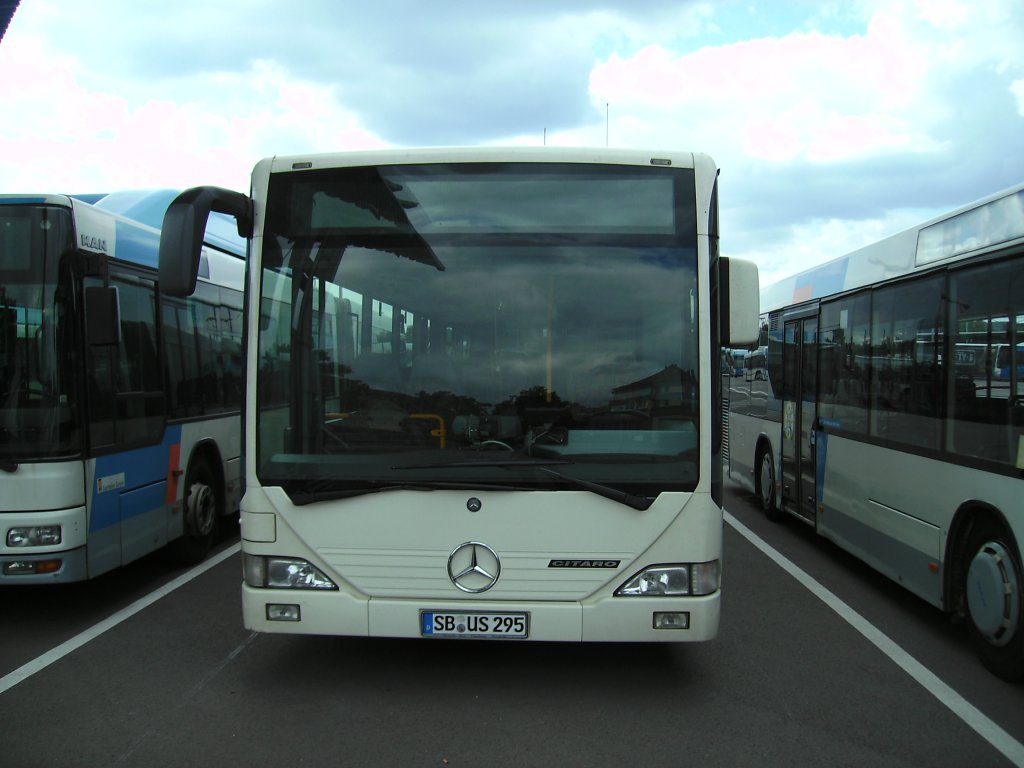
{"x":41,"y":662}
{"x":1012,"y":749}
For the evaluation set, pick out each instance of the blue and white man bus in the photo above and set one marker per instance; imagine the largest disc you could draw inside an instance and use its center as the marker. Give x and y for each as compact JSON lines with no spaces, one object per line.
{"x":119,"y":409}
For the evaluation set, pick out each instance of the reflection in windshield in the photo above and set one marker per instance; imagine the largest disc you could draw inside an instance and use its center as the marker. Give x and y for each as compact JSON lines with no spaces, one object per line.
{"x":37,"y":397}
{"x":405,"y":314}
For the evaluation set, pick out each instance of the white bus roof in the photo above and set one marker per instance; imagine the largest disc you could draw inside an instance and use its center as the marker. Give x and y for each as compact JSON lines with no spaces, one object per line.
{"x":991,"y":223}
{"x":496,"y":154}
{"x":125,"y":225}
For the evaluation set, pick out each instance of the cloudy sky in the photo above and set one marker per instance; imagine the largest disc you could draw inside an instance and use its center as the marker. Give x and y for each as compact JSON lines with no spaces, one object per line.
{"x":835,"y":123}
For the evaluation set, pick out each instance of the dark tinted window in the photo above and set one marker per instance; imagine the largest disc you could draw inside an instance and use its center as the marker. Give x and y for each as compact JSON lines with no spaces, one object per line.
{"x":125,"y":388}
{"x":906,"y":362}
{"x":987,"y":304}
{"x":845,"y":351}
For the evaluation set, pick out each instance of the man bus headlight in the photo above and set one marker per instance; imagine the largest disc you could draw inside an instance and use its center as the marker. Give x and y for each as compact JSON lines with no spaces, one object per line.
{"x":34,"y":536}
{"x":283,"y":573}
{"x":675,"y":580}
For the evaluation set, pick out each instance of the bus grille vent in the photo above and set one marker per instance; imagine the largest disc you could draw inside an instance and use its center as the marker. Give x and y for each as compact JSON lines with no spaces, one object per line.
{"x":725,"y":429}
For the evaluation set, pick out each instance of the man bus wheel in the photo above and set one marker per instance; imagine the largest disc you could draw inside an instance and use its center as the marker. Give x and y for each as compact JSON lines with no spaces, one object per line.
{"x":993,"y":582}
{"x":201,"y":510}
{"x":766,"y":486}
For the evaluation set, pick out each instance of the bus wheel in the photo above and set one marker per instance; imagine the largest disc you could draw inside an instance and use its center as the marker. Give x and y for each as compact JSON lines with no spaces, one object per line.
{"x":995,"y":606}
{"x":766,"y":486}
{"x":201,"y":514}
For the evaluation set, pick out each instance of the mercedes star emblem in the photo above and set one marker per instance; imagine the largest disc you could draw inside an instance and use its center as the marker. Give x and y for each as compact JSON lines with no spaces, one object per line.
{"x":474,"y":567}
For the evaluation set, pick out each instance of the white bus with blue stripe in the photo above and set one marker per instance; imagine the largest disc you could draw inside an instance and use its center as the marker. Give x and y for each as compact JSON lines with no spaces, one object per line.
{"x":119,"y":408}
{"x":890,"y":414}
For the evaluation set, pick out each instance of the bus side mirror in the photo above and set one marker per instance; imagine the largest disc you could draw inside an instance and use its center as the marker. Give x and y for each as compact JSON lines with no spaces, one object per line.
{"x":102,"y":316}
{"x":739,"y":302}
{"x":181,"y":237}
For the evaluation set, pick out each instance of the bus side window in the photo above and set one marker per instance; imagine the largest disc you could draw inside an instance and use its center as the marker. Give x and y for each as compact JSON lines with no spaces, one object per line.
{"x":988,"y":302}
{"x":845,"y":357}
{"x":906,"y":362}
{"x":125,"y":390}
{"x":139,"y":396}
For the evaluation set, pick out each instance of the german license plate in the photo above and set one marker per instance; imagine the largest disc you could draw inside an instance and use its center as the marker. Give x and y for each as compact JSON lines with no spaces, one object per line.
{"x":474,"y":624}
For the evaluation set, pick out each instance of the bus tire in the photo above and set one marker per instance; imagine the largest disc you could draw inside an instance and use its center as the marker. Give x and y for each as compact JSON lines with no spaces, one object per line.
{"x":993,"y":581}
{"x":766,"y":485}
{"x":201,"y":512}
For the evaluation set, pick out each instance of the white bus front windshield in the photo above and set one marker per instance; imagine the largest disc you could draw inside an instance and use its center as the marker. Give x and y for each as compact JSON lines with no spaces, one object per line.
{"x":38,"y":400}
{"x":529,"y":326}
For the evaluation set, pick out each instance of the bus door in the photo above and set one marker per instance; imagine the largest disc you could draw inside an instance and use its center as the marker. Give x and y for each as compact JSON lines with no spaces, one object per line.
{"x":800,"y":374}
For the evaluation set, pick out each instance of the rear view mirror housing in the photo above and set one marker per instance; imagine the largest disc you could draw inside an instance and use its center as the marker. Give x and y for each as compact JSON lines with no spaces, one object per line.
{"x":181,"y":237}
{"x":739,"y":302}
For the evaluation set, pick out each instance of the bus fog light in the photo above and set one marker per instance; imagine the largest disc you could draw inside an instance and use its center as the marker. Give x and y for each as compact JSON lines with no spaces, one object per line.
{"x":34,"y":536}
{"x":671,"y":620}
{"x":659,"y":581}
{"x":283,"y":612}
{"x":19,"y":567}
{"x":26,"y":567}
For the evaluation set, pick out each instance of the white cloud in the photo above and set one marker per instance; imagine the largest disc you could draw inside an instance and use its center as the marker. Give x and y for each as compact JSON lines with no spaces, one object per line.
{"x":206,"y":128}
{"x":809,"y":96}
{"x":833,"y":122}
{"x":1017,"y":89}
{"x":942,"y":13}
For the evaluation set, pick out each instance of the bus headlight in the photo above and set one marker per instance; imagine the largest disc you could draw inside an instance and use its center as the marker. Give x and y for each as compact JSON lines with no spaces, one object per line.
{"x":678,"y":580}
{"x":283,"y":573}
{"x":34,"y":536}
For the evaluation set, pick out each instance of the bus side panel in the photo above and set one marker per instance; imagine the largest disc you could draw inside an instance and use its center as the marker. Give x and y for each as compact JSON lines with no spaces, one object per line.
{"x":104,"y":513}
{"x":128,"y":503}
{"x":893,"y":509}
{"x":144,"y":521}
{"x":744,"y":432}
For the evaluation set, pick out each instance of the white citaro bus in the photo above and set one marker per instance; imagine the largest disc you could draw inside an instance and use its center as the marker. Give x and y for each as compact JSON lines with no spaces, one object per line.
{"x":119,"y":410}
{"x":890,"y":413}
{"x":480,"y":389}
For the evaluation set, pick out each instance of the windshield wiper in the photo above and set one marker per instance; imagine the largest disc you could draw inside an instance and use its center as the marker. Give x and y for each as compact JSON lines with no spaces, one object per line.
{"x":302,"y":498}
{"x":629,"y":499}
{"x":543,"y":465}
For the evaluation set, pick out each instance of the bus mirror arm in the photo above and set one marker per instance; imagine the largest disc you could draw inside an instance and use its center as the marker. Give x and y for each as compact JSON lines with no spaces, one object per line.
{"x":184,"y":226}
